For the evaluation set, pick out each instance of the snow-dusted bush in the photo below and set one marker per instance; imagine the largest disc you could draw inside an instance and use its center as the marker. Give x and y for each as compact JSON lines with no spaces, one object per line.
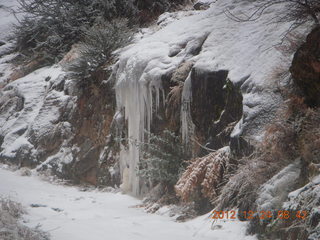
{"x":242,"y":187}
{"x":303,"y":215}
{"x":163,"y":158}
{"x":11,"y":228}
{"x":262,"y":180}
{"x":50,"y":27}
{"x":205,"y":173}
{"x":96,"y":48}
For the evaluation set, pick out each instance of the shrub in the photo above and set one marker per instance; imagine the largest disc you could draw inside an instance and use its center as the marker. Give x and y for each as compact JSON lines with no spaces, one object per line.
{"x":294,"y":135}
{"x":158,"y":6}
{"x":98,"y":44}
{"x":294,"y":10}
{"x":162,"y":158}
{"x":11,"y":228}
{"x":50,"y":27}
{"x":205,"y":173}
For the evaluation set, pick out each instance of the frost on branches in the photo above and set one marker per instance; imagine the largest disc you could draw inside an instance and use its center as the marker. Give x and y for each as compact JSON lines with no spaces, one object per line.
{"x":205,"y":173}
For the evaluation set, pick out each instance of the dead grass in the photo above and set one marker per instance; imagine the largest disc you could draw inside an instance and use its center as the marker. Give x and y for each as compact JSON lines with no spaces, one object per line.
{"x":205,"y":173}
{"x":10,"y":226}
{"x":294,"y":134}
{"x":174,"y":105}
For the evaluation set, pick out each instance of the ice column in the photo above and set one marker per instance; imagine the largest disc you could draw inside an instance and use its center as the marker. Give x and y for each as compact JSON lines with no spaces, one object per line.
{"x":134,"y":91}
{"x":187,"y":126}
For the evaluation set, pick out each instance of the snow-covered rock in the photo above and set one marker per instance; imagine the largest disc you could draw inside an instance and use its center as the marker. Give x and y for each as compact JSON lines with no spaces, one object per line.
{"x":31,"y":109}
{"x":212,"y":41}
{"x":273,"y":193}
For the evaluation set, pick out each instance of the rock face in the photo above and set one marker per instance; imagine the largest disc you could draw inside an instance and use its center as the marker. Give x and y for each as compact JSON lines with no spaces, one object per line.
{"x":48,"y":121}
{"x":29,"y":121}
{"x":305,"y":68}
{"x":215,"y":106}
{"x":216,"y":103}
{"x":201,"y":5}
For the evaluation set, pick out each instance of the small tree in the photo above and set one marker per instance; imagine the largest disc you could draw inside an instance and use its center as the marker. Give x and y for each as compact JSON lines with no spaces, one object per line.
{"x":50,"y":27}
{"x":96,"y":48}
{"x":163,"y":158}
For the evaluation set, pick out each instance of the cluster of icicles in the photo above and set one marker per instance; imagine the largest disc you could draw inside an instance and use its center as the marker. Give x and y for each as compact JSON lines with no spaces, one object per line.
{"x":139,"y":96}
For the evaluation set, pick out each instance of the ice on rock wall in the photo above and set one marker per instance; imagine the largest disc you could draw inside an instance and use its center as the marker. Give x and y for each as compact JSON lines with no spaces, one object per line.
{"x":187,"y":126}
{"x":212,"y":41}
{"x":138,"y":90}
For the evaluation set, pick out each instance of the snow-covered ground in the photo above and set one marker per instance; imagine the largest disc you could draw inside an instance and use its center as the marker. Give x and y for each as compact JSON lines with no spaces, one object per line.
{"x":68,"y":213}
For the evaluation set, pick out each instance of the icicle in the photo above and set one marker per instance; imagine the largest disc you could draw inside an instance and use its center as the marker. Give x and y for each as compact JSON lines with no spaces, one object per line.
{"x":187,"y":126}
{"x":134,"y":92}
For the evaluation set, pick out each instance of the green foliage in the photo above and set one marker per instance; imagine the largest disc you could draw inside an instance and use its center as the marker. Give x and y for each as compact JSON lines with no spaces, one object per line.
{"x":98,"y":44}
{"x":50,"y":27}
{"x":163,"y":158}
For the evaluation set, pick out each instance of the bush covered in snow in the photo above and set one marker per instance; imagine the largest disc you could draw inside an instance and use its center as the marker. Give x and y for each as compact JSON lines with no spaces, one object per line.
{"x":276,"y":151}
{"x":205,"y":173}
{"x":162,"y":158}
{"x":295,"y":11}
{"x":11,"y":228}
{"x":50,"y":27}
{"x":201,"y":181}
{"x":305,"y":199}
{"x":96,"y":48}
{"x":158,"y":5}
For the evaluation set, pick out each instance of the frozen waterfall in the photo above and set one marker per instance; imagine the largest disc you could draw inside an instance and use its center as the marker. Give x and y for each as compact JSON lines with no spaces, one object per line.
{"x":137,"y":95}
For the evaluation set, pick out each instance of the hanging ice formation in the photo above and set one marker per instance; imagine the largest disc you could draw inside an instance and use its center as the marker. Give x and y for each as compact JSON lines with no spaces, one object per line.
{"x":138,"y":84}
{"x":138,"y":92}
{"x":187,"y":126}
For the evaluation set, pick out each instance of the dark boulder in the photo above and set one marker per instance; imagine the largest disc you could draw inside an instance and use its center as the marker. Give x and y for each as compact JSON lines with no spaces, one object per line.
{"x":216,"y":106}
{"x":305,"y":68}
{"x":199,"y":5}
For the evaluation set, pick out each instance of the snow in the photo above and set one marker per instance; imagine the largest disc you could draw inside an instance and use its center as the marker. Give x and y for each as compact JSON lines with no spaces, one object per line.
{"x":68,"y":213}
{"x":7,"y":18}
{"x":39,"y":108}
{"x":7,"y":21}
{"x":274,"y":192}
{"x":305,"y":197}
{"x":246,"y":49}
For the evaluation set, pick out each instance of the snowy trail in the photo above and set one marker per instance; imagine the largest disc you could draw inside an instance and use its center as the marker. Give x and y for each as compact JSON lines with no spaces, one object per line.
{"x":70,"y":214}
